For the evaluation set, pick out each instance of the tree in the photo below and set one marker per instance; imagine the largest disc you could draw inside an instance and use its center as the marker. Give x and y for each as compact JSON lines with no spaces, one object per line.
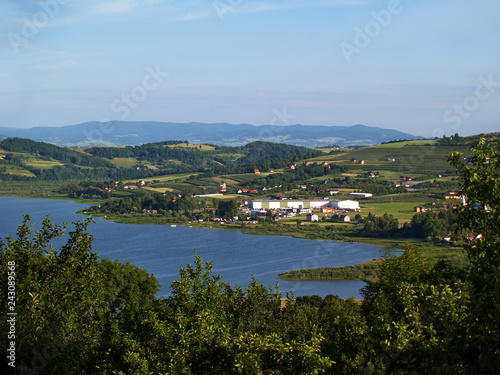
{"x":58,"y":298}
{"x":418,"y":314}
{"x":227,"y":209}
{"x":479,"y":217}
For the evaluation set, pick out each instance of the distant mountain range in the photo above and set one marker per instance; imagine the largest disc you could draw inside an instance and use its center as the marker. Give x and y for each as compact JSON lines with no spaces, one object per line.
{"x":121,"y":133}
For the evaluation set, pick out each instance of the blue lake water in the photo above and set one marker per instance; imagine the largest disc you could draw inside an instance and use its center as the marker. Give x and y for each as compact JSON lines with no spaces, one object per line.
{"x":162,"y":250}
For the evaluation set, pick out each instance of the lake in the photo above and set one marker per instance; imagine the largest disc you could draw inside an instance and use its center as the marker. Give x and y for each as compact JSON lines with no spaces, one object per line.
{"x":162,"y":250}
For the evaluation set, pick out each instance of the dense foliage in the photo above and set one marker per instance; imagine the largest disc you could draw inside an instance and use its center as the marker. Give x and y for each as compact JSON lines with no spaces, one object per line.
{"x":218,"y":160}
{"x":432,"y":225}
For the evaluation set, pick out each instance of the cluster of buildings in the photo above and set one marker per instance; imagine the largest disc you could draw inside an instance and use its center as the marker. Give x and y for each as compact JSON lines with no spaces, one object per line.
{"x":293,"y":166}
{"x":292,"y":207}
{"x":314,"y":204}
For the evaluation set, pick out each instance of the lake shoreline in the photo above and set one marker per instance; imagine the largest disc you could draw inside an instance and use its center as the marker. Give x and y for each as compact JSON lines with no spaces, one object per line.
{"x":247,"y":229}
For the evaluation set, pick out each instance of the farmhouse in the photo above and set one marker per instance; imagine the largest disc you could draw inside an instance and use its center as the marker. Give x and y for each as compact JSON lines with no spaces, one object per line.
{"x":342,"y":218}
{"x":312,"y":217}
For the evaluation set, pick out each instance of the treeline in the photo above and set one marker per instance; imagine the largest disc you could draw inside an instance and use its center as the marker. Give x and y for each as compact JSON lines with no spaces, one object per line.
{"x":88,"y":189}
{"x":430,"y":225}
{"x":71,"y":172}
{"x":380,"y":226}
{"x":457,"y":140}
{"x":193,"y":159}
{"x":145,"y":201}
{"x":258,"y":152}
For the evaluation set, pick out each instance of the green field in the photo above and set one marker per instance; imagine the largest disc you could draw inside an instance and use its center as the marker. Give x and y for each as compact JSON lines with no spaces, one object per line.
{"x":421,"y":157}
{"x":169,"y":177}
{"x":193,"y":146}
{"x":42,"y":164}
{"x":19,"y":171}
{"x":124,"y":162}
{"x":403,"y":211}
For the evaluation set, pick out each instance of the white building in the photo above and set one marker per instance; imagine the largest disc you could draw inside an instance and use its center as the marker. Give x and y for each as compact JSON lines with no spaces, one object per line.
{"x":270,"y":204}
{"x":361,"y":195}
{"x":312,"y":217}
{"x":344,"y":204}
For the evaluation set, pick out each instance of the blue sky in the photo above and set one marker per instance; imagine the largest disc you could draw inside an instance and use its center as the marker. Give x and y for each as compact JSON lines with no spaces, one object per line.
{"x":424,"y":67}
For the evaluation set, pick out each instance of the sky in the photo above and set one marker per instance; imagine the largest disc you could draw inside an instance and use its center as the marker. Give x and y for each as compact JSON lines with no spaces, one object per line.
{"x":423,"y":67}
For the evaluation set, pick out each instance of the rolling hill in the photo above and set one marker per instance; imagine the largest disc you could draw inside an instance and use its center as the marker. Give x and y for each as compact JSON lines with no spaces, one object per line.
{"x":120,"y":133}
{"x":21,"y":158}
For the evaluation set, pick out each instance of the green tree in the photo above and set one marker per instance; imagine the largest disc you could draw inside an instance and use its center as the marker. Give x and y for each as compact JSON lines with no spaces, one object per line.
{"x":418,"y":315}
{"x":227,"y":209}
{"x":480,"y":218}
{"x":59,"y":298}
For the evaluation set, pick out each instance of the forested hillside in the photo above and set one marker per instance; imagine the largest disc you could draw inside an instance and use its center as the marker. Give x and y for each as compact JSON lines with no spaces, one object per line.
{"x":22,"y":159}
{"x":47,"y":151}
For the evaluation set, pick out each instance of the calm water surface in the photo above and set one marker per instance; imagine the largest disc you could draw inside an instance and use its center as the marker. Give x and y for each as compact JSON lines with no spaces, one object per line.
{"x":162,"y":250}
